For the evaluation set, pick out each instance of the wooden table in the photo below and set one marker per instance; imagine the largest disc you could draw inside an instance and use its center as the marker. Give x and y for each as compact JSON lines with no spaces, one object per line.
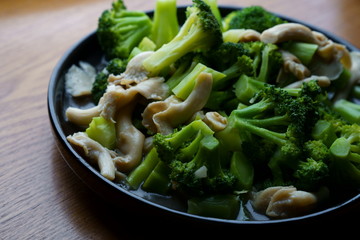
{"x":41,"y":198}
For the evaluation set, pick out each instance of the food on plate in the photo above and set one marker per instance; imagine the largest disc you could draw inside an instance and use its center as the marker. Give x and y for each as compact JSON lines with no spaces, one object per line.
{"x":244,"y":116}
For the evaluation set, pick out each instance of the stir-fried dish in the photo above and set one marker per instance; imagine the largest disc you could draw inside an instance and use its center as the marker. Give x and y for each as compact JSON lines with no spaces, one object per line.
{"x":224,"y":112}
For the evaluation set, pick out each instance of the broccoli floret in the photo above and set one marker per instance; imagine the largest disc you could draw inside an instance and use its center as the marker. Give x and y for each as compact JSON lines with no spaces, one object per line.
{"x":194,"y":157}
{"x":345,"y":157}
{"x":311,"y":174}
{"x":215,"y":10}
{"x":317,"y":150}
{"x":120,"y":30}
{"x":165,"y":22}
{"x":253,"y":17}
{"x":233,"y":60}
{"x":280,"y":119}
{"x":200,"y":31}
{"x":203,"y":174}
{"x":173,"y":145}
{"x":115,"y":66}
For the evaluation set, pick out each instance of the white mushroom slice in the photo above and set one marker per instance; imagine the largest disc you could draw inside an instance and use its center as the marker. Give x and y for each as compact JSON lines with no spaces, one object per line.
{"x":241,"y":35}
{"x":286,"y":32}
{"x":82,"y":117}
{"x":330,"y":51}
{"x":322,"y":81}
{"x":117,"y":97}
{"x":284,"y":202}
{"x":215,"y":121}
{"x":134,"y":72}
{"x":130,"y":140}
{"x":163,"y":116}
{"x":293,"y":65}
{"x":79,"y":80}
{"x":95,"y":152}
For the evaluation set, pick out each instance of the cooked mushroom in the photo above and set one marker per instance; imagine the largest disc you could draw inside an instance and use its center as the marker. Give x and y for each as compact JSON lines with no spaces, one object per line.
{"x":328,"y":50}
{"x":117,"y":97}
{"x":130,"y":140}
{"x":241,"y":35}
{"x":163,"y":116}
{"x":134,"y":72}
{"x":322,"y":81}
{"x":82,"y":117}
{"x":287,"y":32}
{"x":283,"y":202}
{"x":95,"y":152}
{"x":293,"y":65}
{"x":215,"y":121}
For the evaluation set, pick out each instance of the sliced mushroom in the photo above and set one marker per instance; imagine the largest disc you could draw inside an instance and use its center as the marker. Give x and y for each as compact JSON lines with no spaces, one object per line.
{"x":82,"y":117}
{"x":134,"y":72}
{"x":215,"y":121}
{"x":130,"y":140}
{"x":163,"y":116}
{"x":328,"y":50}
{"x":287,"y":32}
{"x":331,"y":51}
{"x":322,"y":81}
{"x":284,"y":202}
{"x":117,"y":97}
{"x":293,"y":65}
{"x":95,"y":152}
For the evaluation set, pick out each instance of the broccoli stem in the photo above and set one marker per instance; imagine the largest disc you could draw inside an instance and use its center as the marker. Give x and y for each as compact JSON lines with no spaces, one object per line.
{"x":158,"y":181}
{"x":242,"y":168}
{"x":246,"y":88}
{"x":303,"y":51}
{"x":102,"y":131}
{"x":324,"y":131}
{"x":218,"y":206}
{"x":348,"y":110}
{"x":165,"y":23}
{"x":265,"y":62}
{"x":188,"y":131}
{"x":186,"y":85}
{"x":139,"y":174}
{"x":276,"y":137}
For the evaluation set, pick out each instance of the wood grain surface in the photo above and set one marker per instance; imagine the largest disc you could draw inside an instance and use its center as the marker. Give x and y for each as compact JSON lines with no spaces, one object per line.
{"x":41,"y":198}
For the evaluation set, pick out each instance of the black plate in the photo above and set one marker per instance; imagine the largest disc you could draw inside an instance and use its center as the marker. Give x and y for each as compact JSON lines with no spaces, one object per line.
{"x":88,"y":49}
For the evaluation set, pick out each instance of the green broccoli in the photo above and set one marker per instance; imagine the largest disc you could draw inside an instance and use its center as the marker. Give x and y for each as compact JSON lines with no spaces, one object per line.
{"x":350,"y":111}
{"x":345,"y":157}
{"x":115,"y":66}
{"x":165,"y":22}
{"x":232,"y":60}
{"x":282,"y":120}
{"x":103,"y":131}
{"x":120,"y":30}
{"x":253,"y":17}
{"x":171,"y":146}
{"x":193,"y":155}
{"x":200,"y":31}
{"x":203,"y":173}
{"x":311,"y":174}
{"x":217,"y":206}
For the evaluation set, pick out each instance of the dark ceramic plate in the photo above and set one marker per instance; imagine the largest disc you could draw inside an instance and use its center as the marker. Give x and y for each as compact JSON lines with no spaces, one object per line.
{"x":88,"y":49}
